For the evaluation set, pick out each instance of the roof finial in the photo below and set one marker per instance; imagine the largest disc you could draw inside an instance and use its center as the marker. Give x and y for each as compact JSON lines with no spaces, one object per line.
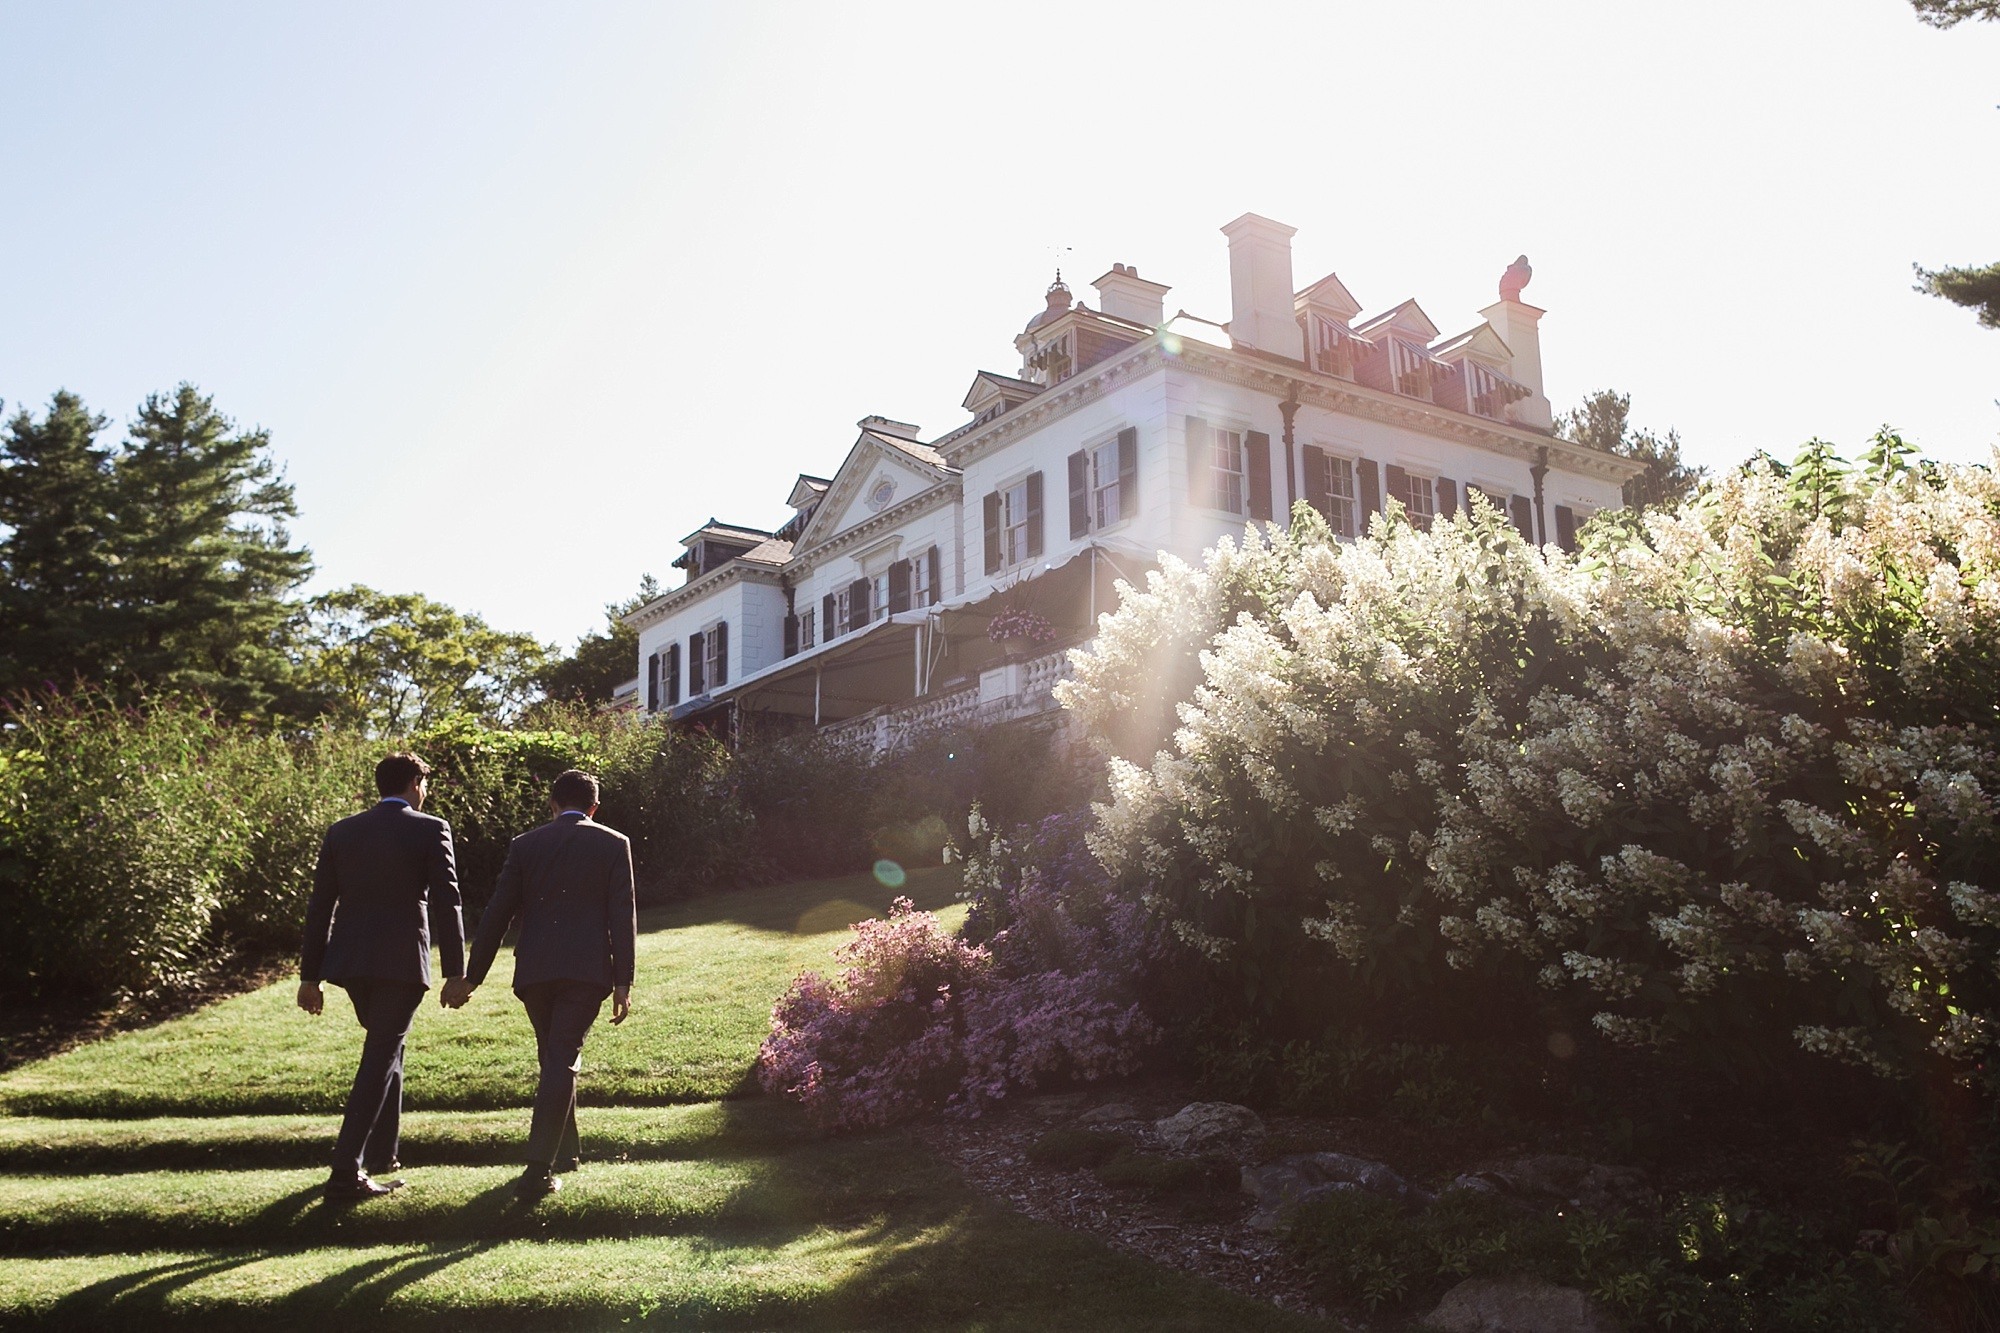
{"x":1514,"y":279}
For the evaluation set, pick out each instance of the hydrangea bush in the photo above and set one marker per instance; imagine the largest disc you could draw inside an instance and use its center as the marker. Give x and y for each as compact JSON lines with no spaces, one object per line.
{"x":920,"y":1019}
{"x":1728,"y":772}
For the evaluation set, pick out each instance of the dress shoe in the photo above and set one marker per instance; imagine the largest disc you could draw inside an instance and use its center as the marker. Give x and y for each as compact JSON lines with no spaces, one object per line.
{"x":537,"y":1182}
{"x":359,"y":1189}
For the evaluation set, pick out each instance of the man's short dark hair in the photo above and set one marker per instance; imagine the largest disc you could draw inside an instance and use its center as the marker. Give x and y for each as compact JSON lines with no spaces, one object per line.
{"x":574,"y":790}
{"x":395,"y":774}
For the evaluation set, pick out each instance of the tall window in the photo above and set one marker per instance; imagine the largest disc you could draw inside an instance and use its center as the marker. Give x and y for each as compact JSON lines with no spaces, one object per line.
{"x":1014,"y":523}
{"x":806,"y":629}
{"x":714,"y":651}
{"x":878,"y":604}
{"x":1225,"y":449}
{"x":920,"y":579}
{"x":1105,"y":498}
{"x":1419,"y":497}
{"x":1342,"y":501}
{"x":843,"y":617}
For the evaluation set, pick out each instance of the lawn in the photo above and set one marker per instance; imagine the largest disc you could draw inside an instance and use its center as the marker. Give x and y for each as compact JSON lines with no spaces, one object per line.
{"x":169,"y":1178}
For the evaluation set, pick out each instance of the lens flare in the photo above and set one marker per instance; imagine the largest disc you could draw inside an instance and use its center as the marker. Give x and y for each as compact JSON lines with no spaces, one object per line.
{"x":889,"y":875}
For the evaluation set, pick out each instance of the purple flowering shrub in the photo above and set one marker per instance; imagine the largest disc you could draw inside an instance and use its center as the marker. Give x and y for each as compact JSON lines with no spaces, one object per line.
{"x":920,"y":1019}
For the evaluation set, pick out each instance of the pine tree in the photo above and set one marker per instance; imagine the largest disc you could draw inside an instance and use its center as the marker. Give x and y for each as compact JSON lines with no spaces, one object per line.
{"x":1975,"y":288}
{"x":55,"y":504}
{"x":1603,"y":421}
{"x":604,"y":660}
{"x":205,"y":558}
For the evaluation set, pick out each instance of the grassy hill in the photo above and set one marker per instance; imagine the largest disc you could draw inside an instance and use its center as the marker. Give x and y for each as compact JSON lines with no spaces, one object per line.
{"x":169,"y":1178}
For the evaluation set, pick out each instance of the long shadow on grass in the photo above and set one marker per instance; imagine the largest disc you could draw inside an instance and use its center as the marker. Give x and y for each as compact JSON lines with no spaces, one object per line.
{"x":813,"y":908}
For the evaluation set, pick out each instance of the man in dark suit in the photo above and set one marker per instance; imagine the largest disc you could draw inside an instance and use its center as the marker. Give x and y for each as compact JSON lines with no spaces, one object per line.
{"x":382,"y":877}
{"x":570,"y":883}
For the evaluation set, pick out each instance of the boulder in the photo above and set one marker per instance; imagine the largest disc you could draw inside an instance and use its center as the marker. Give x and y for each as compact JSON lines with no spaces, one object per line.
{"x":1109,"y":1113}
{"x":1306,"y":1177}
{"x":1517,"y":1305}
{"x":1208,"y":1125}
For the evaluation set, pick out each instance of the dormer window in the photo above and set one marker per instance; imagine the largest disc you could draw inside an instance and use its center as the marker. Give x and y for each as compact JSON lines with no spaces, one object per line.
{"x":1410,"y":369}
{"x":1052,"y":363}
{"x":1332,"y":347}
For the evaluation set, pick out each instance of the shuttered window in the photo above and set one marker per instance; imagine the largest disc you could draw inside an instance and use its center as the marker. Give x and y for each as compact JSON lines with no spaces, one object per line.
{"x":1014,"y":523}
{"x":671,"y":667}
{"x":1330,"y":489}
{"x":806,"y":639}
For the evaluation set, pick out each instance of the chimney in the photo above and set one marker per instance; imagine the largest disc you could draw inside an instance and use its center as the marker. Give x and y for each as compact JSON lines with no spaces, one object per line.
{"x":1260,"y":287}
{"x":902,"y":430}
{"x":1122,"y":293}
{"x":1518,"y":323}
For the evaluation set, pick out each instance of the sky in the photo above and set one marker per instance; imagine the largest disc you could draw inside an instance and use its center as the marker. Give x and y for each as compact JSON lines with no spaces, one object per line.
{"x":525,"y":293}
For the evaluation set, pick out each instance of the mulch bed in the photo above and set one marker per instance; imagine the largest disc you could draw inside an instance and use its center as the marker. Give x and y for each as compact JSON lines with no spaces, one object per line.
{"x":1201,"y":1234}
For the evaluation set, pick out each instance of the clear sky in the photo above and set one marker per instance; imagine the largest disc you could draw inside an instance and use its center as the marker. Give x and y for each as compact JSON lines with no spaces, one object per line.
{"x":524,"y":293}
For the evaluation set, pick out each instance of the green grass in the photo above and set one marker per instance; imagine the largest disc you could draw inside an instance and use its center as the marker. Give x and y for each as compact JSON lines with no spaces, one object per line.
{"x":169,"y":1178}
{"x":707,"y":973}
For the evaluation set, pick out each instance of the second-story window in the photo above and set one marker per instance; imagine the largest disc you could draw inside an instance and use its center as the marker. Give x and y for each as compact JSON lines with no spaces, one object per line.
{"x":1013,"y":520}
{"x":1225,"y":452}
{"x":1106,"y":501}
{"x":1342,"y":503}
{"x":843,"y":614}
{"x":1014,"y":524}
{"x":1419,"y":497}
{"x":878,"y":602}
{"x":715,"y":655}
{"x":806,"y":629}
{"x":920,"y":579}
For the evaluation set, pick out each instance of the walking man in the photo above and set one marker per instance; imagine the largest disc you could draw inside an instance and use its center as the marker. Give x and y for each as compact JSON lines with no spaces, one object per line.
{"x":382,"y":875}
{"x":570,"y":883}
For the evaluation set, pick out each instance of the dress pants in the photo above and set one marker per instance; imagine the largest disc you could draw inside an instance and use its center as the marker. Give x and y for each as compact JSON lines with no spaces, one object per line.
{"x":371,"y":1129}
{"x":562,"y":1012}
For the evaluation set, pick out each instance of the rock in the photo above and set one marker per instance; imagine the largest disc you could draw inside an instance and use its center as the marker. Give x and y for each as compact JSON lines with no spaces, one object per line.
{"x":1477,"y":1184}
{"x":1572,"y":1180}
{"x":1517,"y":1305}
{"x":1206,"y":1124}
{"x":1054,"y":1105}
{"x":1306,"y":1177}
{"x":1108,"y":1113}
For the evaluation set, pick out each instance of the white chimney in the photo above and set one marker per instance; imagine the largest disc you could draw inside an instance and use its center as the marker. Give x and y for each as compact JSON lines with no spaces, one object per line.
{"x":1123,"y":294}
{"x":1518,"y":325}
{"x":1260,"y":287}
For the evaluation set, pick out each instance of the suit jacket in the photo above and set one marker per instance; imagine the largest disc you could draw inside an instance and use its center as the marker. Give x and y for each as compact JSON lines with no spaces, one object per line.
{"x":382,"y":876}
{"x":570,"y":883}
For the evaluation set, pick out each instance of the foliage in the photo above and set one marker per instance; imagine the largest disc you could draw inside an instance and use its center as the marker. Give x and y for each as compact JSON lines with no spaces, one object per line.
{"x":164,"y":563}
{"x":1710,"y":1262}
{"x":1945,"y":13}
{"x":1728,"y":774}
{"x":136,"y":847}
{"x":1977,"y":289}
{"x":1014,"y":623}
{"x":400,"y":664}
{"x":603,"y":660}
{"x":1603,"y":421}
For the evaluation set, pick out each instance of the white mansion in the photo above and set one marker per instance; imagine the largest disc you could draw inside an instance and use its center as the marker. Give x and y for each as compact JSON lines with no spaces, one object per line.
{"x":1125,"y":434}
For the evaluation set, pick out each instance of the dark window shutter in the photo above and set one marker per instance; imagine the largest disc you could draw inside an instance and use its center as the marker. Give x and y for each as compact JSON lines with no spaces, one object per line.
{"x":1370,"y":485}
{"x":1396,"y":483}
{"x":857,"y":603}
{"x":937,"y":590}
{"x":1447,"y":493}
{"x":1316,"y":493}
{"x":721,"y":633}
{"x":1566,"y":527}
{"x":791,"y":636}
{"x":697,"y":668}
{"x":1257,"y":448}
{"x":653,"y":683}
{"x":1523,"y":510}
{"x":1079,"y":494}
{"x":1128,"y":472}
{"x":828,"y":630}
{"x":1034,"y":514}
{"x":899,"y":587}
{"x":993,"y":532}
{"x":672,"y":667}
{"x":1201,"y":465}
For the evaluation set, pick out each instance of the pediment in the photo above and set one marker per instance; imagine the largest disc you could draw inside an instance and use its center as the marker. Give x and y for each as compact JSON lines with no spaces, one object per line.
{"x":1330,"y":295}
{"x":1480,"y":343}
{"x":989,"y":385}
{"x":1407,"y":319}
{"x":879,"y":472}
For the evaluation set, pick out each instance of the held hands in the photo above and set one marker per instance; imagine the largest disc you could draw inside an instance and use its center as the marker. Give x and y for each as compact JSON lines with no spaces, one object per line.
{"x":311,"y":998}
{"x":621,"y":1004}
{"x":457,"y":990}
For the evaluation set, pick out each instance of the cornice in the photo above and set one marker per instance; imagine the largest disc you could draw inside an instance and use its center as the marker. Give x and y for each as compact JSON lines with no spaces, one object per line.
{"x":1060,"y":401}
{"x":803,"y":562}
{"x":847,"y":479}
{"x":736,"y":571}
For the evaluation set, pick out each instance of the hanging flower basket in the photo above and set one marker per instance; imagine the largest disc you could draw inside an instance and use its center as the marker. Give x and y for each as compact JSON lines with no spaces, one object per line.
{"x":1016,"y":629}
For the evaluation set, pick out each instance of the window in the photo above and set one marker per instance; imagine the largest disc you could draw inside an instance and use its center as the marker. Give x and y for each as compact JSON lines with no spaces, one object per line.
{"x":1337,"y":480}
{"x":1419,"y":499}
{"x":878,"y":600}
{"x":715,"y":656}
{"x":1410,"y":368}
{"x":1225,"y":451}
{"x":920,"y":579}
{"x":843,"y":614}
{"x":805,"y":629}
{"x":1014,"y":524}
{"x":1330,"y":350}
{"x":1104,"y":494}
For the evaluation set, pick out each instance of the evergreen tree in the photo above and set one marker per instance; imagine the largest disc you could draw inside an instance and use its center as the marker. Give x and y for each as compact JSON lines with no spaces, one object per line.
{"x":1977,"y":289}
{"x":604,"y":660}
{"x":1603,"y":421}
{"x":205,"y":561}
{"x":55,"y":505}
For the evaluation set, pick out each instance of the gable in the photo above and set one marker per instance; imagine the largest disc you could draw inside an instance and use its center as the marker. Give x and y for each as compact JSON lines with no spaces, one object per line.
{"x":875,"y":476}
{"x":1480,"y":343}
{"x":1408,"y":319}
{"x":1329,"y":294}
